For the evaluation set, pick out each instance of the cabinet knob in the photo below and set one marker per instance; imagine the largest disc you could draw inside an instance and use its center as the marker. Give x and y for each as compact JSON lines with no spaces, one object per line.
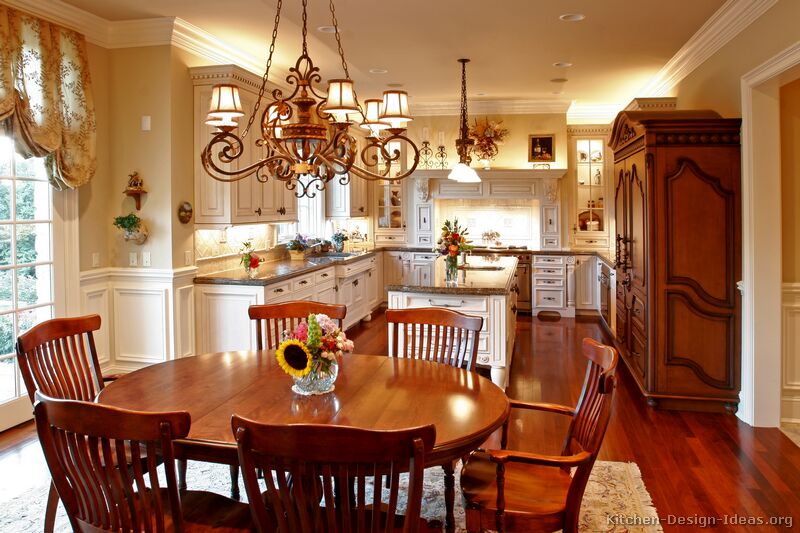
{"x":304,"y":282}
{"x":361,"y":209}
{"x":355,"y":283}
{"x":258,"y":211}
{"x":325,"y":275}
{"x":278,"y":290}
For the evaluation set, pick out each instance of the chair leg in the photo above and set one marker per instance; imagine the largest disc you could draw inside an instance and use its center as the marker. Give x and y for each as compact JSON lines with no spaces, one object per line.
{"x":235,"y":482}
{"x":50,"y":510}
{"x":182,"y":463}
{"x":449,"y":496}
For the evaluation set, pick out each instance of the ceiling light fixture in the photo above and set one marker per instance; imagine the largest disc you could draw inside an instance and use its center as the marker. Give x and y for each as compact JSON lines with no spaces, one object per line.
{"x":572,"y":17}
{"x":562,"y":64}
{"x":559,"y":80}
{"x":326,"y":29}
{"x":305,"y":135}
{"x":462,"y":171}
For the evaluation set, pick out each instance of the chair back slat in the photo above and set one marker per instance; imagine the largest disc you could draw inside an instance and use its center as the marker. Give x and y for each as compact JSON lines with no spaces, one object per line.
{"x":434,"y":334}
{"x":315,"y":487}
{"x":103,"y":463}
{"x":54,"y":359}
{"x":273,"y":319}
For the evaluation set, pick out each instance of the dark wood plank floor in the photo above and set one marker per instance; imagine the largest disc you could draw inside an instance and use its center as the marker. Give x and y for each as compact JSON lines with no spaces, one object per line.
{"x":693,"y":464}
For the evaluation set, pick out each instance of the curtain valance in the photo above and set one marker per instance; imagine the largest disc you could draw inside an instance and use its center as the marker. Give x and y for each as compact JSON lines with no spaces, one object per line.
{"x":46,"y":102}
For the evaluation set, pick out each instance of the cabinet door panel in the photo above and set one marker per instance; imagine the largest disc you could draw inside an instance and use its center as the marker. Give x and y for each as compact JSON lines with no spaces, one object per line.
{"x":637,"y":219}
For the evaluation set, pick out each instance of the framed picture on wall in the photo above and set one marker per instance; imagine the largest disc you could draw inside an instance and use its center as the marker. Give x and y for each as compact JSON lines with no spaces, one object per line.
{"x":541,"y":148}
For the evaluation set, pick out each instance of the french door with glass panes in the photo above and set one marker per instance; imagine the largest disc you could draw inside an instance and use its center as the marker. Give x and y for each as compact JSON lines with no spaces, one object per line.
{"x":27,"y":284}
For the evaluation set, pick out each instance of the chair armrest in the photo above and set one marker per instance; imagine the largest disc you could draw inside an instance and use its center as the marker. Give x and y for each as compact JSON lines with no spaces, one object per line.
{"x":112,"y":377}
{"x":539,"y":406}
{"x":560,"y":461}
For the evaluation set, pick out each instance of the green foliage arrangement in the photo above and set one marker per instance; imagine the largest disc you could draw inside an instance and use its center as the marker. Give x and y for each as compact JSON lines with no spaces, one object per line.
{"x":130,"y":222}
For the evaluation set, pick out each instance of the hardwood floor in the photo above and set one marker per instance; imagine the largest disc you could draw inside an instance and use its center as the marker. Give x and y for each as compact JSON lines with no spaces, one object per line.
{"x":695,"y":465}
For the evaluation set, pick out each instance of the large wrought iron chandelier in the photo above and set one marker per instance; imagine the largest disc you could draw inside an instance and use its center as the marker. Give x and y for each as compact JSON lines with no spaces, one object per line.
{"x":306,"y":135}
{"x":462,"y":171}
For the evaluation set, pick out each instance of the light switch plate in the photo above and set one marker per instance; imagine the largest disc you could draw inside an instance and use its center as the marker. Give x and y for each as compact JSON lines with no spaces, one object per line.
{"x":146,"y":259}
{"x":95,"y":259}
{"x":133,"y":259}
{"x":187,"y":258}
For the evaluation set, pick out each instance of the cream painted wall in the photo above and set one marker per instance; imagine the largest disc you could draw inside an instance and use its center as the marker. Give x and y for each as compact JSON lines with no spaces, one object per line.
{"x":513,"y":152}
{"x":183,"y":151}
{"x":140,"y":85}
{"x":716,"y":83}
{"x":790,"y":180}
{"x":93,"y":198}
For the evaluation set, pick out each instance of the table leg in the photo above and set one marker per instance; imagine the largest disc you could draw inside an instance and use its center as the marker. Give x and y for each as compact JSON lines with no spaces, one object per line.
{"x":449,"y":496}
{"x":182,"y":474}
{"x":235,"y":482}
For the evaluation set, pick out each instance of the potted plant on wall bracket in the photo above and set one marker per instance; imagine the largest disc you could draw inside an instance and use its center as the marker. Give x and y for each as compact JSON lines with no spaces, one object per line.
{"x":133,"y":228}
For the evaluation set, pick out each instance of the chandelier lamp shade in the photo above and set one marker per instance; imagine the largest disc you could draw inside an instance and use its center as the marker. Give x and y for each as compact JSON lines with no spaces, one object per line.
{"x":462,"y":172}
{"x":306,"y":135}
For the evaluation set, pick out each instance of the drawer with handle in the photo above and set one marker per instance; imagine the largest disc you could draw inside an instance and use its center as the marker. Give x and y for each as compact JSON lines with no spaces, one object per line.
{"x":302,"y":283}
{"x":322,"y":276}
{"x":549,"y":298}
{"x":548,"y":282}
{"x":277,"y":291}
{"x":549,"y":260}
{"x":458,"y":303}
{"x":548,"y":271}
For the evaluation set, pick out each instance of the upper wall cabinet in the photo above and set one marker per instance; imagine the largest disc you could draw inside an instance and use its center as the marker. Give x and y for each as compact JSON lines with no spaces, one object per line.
{"x":589,"y":187}
{"x":246,"y":201}
{"x":346,"y":201}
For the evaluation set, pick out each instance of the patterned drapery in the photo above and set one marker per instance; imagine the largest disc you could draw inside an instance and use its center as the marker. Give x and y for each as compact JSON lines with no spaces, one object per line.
{"x":46,"y":102}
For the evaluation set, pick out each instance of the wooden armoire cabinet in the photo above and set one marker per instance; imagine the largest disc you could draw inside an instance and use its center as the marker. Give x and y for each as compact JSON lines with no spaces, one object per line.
{"x":678,"y":256}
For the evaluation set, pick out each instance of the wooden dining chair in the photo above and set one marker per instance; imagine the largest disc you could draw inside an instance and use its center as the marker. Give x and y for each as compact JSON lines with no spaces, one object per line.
{"x":273,"y":319}
{"x":434,"y":334}
{"x":311,"y":462}
{"x":510,"y":490}
{"x":84,"y":445}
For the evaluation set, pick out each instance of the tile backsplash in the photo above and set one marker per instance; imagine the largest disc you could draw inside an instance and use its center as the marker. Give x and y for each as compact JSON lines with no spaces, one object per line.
{"x":218,"y":250}
{"x":517,"y":221}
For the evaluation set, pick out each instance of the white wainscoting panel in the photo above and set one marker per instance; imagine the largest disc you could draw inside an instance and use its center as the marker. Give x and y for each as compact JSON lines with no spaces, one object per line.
{"x":790,"y":349}
{"x":216,"y":304}
{"x":147,"y":315}
{"x":141,"y":325}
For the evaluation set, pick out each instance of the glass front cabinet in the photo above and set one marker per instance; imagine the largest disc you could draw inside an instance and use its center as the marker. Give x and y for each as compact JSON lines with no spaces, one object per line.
{"x":589,"y":162}
{"x":390,"y":208}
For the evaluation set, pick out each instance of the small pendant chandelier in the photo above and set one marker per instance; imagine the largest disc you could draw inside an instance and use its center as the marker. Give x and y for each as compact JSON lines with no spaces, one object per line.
{"x":306,"y":135}
{"x":462,"y":172}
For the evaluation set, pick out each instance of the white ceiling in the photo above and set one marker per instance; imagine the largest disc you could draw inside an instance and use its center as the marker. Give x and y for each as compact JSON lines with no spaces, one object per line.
{"x":513,"y":44}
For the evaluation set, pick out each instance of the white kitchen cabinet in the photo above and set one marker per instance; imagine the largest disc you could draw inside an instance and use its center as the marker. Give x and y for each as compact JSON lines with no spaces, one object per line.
{"x":550,"y":284}
{"x":246,"y":201}
{"x":586,"y":296}
{"x":396,"y":265}
{"x":589,"y":168}
{"x":390,"y":209}
{"x":347,"y":201}
{"x":222,"y":322}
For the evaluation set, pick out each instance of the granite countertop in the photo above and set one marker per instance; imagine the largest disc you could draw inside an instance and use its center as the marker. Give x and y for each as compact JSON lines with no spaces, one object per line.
{"x":274,"y":271}
{"x":474,"y":282}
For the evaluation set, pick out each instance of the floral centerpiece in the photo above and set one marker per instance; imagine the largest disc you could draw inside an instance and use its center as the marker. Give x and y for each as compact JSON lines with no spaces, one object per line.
{"x":250,"y":261}
{"x":297,"y":247}
{"x":487,"y":136}
{"x":452,"y":242}
{"x":338,"y":239}
{"x":310,"y":354}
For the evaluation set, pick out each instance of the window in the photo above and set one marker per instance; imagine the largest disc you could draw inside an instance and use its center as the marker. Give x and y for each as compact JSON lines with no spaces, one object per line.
{"x":310,"y":219}
{"x":26,"y":257}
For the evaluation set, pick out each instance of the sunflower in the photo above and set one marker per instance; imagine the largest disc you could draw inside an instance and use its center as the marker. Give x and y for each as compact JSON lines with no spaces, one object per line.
{"x":294,"y":358}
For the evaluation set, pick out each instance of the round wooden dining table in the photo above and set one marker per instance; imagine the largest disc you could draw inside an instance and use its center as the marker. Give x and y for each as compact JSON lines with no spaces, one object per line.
{"x":372,"y":392}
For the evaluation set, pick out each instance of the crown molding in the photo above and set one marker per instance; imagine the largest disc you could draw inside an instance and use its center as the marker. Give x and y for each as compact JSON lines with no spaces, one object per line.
{"x":725,"y":24}
{"x":491,"y":107}
{"x":575,"y":130}
{"x":593,"y":113}
{"x":189,"y":37}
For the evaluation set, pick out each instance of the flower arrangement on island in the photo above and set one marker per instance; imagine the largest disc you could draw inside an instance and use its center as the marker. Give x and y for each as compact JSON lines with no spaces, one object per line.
{"x":453,"y":240}
{"x":250,"y":261}
{"x":310,"y":353}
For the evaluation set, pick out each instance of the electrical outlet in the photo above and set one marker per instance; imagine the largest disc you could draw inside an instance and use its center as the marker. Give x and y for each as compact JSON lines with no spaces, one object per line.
{"x":95,"y":259}
{"x":146,"y":259}
{"x":187,"y":258}
{"x":133,"y":259}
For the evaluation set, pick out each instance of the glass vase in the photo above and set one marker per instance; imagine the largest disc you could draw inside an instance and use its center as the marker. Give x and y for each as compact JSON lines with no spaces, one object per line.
{"x":338,"y":246}
{"x":451,"y":268}
{"x":320,"y":380}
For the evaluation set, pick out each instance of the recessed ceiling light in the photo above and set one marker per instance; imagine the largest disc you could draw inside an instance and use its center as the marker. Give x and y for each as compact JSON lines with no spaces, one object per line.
{"x":378,"y":70}
{"x":480,"y":94}
{"x":559,"y":80}
{"x":572,"y":17}
{"x":394,"y":85}
{"x":557,"y":92}
{"x":326,"y":29}
{"x":562,"y":64}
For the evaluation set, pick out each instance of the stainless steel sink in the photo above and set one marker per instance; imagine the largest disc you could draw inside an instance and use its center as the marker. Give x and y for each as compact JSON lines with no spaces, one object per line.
{"x":481,"y":267}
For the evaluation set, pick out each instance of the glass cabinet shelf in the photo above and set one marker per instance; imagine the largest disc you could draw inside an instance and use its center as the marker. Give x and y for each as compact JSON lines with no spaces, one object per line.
{"x":590,"y":188}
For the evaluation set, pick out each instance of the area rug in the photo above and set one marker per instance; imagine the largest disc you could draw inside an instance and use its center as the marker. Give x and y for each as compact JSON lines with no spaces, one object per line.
{"x":615,"y":500}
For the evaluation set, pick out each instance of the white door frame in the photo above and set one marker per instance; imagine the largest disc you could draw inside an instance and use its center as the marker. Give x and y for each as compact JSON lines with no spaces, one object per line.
{"x":66,"y":273}
{"x":760,"y":398}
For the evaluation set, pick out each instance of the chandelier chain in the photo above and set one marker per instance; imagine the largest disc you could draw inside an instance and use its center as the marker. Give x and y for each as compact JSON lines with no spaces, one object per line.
{"x":266,"y":70}
{"x":339,"y":40}
{"x":464,"y":128}
{"x":305,"y":27}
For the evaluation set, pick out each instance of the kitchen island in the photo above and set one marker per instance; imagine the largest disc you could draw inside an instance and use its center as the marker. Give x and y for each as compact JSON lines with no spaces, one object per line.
{"x":487,"y":287}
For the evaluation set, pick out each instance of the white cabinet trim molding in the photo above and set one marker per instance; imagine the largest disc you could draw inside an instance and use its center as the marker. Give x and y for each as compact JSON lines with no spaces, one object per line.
{"x":790,"y":350}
